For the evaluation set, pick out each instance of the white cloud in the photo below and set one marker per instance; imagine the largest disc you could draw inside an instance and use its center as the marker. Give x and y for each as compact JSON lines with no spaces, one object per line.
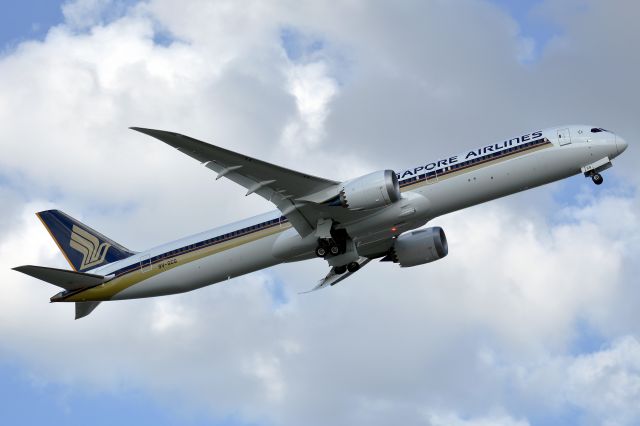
{"x":607,"y":383}
{"x":85,"y":13}
{"x":492,"y":325}
{"x":313,"y":90}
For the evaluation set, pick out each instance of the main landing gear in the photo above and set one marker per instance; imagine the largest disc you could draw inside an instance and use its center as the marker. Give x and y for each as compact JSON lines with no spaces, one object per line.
{"x":597,"y":179}
{"x":351,"y":267}
{"x":333,"y":246}
{"x":326,"y":247}
{"x":332,"y":243}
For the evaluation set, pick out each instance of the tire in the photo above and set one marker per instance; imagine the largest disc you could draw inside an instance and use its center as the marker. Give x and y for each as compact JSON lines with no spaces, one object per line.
{"x":334,"y":250}
{"x":340,"y":269}
{"x":597,"y":179}
{"x":320,"y":251}
{"x":353,"y":266}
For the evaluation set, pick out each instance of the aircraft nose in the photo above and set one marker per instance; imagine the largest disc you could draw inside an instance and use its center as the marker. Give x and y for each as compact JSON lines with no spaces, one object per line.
{"x":621,"y":144}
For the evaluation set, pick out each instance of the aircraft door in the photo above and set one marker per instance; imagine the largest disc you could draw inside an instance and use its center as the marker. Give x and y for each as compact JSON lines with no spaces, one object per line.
{"x":145,"y":263}
{"x":564,"y":137}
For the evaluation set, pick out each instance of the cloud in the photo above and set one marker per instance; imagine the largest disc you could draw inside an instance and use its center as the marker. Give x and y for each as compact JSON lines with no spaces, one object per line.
{"x":486,"y":336}
{"x":313,"y":91}
{"x":442,"y":419}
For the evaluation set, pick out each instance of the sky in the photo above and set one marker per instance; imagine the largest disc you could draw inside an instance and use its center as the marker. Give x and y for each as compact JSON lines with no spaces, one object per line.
{"x":531,"y":319}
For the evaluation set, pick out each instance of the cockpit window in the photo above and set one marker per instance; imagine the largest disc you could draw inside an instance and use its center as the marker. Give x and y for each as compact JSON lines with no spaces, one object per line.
{"x":598,"y":130}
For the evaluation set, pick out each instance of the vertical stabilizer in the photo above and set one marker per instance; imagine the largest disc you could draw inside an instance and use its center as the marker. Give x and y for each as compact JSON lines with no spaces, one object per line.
{"x":83,"y":247}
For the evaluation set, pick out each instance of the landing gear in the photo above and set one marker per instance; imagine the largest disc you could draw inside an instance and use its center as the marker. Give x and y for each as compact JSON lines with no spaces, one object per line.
{"x":353,"y":267}
{"x":339,"y":270}
{"x":327,"y":247}
{"x":334,"y":246}
{"x":597,"y":179}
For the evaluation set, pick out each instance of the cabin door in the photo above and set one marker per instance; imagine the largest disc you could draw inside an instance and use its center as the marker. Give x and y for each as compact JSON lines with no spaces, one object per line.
{"x":145,"y":263}
{"x":564,"y":137}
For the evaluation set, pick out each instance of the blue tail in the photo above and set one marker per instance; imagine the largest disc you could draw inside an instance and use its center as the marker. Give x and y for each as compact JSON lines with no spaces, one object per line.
{"x":83,"y":247}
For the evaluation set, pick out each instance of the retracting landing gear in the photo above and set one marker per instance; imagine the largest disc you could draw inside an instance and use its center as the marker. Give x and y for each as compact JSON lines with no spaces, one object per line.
{"x":353,"y":266}
{"x":597,"y":179}
{"x":340,"y":269}
{"x":331,"y":241}
{"x":327,"y":246}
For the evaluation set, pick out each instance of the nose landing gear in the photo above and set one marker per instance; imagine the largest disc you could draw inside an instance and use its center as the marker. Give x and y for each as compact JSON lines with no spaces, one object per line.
{"x":597,"y":179}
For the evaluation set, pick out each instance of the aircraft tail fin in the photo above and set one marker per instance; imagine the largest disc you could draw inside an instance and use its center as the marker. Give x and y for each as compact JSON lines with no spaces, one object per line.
{"x":83,"y":247}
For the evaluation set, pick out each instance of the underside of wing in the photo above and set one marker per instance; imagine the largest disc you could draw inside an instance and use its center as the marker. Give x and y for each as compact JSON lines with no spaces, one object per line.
{"x":283,"y":187}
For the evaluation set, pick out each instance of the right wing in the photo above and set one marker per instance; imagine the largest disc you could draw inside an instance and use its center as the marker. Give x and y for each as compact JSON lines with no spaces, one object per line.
{"x":287,"y":189}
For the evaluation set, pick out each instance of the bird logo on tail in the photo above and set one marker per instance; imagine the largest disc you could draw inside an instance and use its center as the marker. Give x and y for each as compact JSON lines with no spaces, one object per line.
{"x":93,"y":253}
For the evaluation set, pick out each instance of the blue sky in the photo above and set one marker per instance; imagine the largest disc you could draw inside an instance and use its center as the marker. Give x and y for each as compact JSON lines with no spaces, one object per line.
{"x":28,"y":19}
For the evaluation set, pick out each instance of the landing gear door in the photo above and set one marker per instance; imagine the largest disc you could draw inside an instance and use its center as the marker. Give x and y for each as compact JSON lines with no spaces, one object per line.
{"x":564,"y":137}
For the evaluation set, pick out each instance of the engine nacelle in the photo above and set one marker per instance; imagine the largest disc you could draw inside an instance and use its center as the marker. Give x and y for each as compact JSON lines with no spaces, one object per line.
{"x":377,"y":189}
{"x":419,"y":247}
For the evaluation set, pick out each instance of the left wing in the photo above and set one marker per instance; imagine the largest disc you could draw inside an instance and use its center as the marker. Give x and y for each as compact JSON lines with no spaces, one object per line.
{"x":283,"y":187}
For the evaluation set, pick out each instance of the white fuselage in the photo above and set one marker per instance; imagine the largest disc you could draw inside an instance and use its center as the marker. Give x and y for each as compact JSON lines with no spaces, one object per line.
{"x":428,"y":190}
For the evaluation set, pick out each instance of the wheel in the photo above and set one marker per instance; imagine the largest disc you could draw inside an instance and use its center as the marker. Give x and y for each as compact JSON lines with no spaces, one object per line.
{"x":597,"y":179}
{"x":320,"y":251}
{"x":334,"y":249}
{"x":353,"y":266}
{"x":340,"y":269}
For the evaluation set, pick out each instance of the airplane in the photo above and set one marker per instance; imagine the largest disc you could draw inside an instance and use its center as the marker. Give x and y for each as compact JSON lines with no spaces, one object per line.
{"x":376,"y":216}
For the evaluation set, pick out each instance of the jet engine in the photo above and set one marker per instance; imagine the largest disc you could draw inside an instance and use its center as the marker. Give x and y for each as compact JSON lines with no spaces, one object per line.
{"x":419,"y":247}
{"x":377,"y":189}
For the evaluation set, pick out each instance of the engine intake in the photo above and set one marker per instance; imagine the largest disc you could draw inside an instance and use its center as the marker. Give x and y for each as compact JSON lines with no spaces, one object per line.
{"x":377,"y":189}
{"x":419,"y":247}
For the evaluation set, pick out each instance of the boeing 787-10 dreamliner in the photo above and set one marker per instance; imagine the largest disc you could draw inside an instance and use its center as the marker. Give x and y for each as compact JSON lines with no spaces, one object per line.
{"x":375,"y":216}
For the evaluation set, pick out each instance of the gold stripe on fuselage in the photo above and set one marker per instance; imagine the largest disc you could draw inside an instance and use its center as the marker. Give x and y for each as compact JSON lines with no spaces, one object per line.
{"x":107,"y":290}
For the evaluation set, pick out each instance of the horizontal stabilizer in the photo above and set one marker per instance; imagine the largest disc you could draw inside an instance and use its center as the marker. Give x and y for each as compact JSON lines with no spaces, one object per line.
{"x":68,"y":280}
